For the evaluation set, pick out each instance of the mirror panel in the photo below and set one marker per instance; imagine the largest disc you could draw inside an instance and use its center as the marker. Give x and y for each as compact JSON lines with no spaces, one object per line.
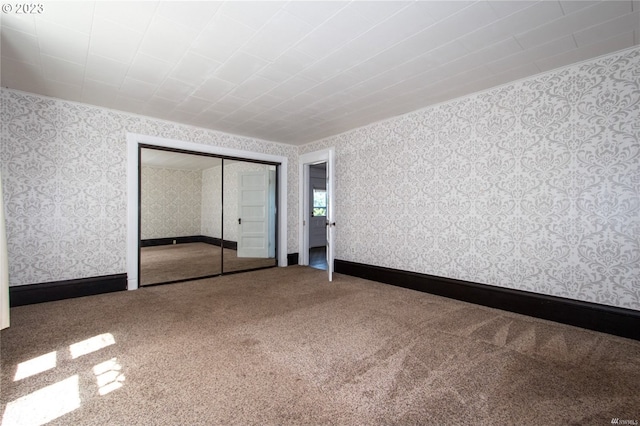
{"x":249,"y":215}
{"x":180,"y":216}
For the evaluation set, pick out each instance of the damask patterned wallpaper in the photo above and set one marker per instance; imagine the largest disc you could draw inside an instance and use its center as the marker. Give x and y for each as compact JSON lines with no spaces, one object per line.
{"x":65,"y":183}
{"x":534,"y":186}
{"x":171,"y":202}
{"x":211,"y":215}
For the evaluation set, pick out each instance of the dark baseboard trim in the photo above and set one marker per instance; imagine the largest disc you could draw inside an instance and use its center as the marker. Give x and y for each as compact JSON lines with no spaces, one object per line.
{"x":292,"y":259}
{"x":233,"y":245}
{"x":48,"y":292}
{"x":593,"y":316}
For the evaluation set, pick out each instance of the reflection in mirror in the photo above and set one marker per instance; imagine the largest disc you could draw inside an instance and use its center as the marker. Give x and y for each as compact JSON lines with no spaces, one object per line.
{"x":180,"y":216}
{"x":249,"y":215}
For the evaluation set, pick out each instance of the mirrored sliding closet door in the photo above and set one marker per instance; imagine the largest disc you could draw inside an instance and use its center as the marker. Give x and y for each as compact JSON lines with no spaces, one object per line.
{"x":180,"y":216}
{"x":202,"y":215}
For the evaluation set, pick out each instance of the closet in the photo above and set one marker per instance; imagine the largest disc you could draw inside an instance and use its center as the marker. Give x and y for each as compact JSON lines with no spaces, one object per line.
{"x":203,"y":215}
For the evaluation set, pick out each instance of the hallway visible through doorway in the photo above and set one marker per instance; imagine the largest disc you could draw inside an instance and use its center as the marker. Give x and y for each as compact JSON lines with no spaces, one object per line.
{"x":318,"y":257}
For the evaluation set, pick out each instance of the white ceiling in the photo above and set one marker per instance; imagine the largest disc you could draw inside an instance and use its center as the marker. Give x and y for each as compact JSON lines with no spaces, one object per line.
{"x":297,"y":71}
{"x":177,"y":160}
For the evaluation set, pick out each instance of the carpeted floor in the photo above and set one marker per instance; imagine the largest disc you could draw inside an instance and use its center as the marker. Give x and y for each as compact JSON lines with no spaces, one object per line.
{"x":167,"y":263}
{"x":283,"y":346}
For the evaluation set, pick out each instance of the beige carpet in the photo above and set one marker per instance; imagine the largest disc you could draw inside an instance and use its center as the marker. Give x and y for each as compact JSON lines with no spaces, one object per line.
{"x":166,"y":263}
{"x":282,"y":346}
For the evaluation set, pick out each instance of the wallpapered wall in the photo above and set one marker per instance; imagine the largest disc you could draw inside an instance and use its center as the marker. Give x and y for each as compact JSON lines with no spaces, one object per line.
{"x":534,"y":186}
{"x":171,"y":202}
{"x":211,"y":213}
{"x":65,"y":183}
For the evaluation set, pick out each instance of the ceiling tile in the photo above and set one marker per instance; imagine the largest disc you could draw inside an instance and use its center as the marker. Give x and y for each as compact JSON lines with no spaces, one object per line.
{"x":134,"y":15}
{"x":194,"y":68}
{"x":74,"y":15}
{"x":506,"y":8}
{"x":274,"y":74}
{"x":568,"y":24}
{"x":192,"y":14}
{"x":378,"y":11}
{"x":62,"y":71}
{"x":613,"y":44}
{"x":97,"y":92}
{"x":296,"y":103}
{"x":440,"y":10}
{"x":105,"y":70}
{"x":253,"y":14}
{"x":213,"y":89}
{"x":555,"y":47}
{"x":293,"y":86}
{"x":521,"y":21}
{"x":19,"y":46}
{"x":221,"y":38}
{"x":182,"y":116}
{"x":314,"y":12}
{"x":158,"y":104}
{"x":572,"y":6}
{"x":266,"y":101}
{"x":253,"y":87}
{"x":239,"y":67}
{"x":282,"y":32}
{"x":149,"y":69}
{"x":24,"y":23}
{"x":291,"y":62}
{"x":611,"y":28}
{"x":113,"y":41}
{"x":230,"y":103}
{"x":336,"y":84}
{"x":128,"y":103}
{"x":166,"y":40}
{"x":137,"y":89}
{"x":21,"y":76}
{"x":193,"y":105}
{"x":56,"y":89}
{"x":56,"y":40}
{"x":174,"y":90}
{"x":322,"y":41}
{"x":208,"y":116}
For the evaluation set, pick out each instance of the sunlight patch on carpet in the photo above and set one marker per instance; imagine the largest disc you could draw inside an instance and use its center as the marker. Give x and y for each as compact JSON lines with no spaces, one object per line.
{"x":91,"y":345}
{"x":44,"y":405}
{"x":35,"y":366}
{"x":108,"y":376}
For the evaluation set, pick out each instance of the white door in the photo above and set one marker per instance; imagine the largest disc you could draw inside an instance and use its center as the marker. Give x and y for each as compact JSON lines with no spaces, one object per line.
{"x":305,"y":161}
{"x":253,"y":214}
{"x":331,"y":224}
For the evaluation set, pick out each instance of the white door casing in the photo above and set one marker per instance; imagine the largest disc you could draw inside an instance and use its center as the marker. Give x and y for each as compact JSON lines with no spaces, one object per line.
{"x":305,"y":160}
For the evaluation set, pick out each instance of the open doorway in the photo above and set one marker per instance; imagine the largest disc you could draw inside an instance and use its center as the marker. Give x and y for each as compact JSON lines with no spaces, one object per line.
{"x":318,"y":216}
{"x":306,"y":162}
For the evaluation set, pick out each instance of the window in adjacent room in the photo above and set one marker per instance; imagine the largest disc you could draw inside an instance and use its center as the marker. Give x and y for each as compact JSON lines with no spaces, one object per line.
{"x":319,"y":202}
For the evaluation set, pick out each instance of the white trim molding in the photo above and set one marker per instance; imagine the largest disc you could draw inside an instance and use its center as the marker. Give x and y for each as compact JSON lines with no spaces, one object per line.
{"x":305,"y":160}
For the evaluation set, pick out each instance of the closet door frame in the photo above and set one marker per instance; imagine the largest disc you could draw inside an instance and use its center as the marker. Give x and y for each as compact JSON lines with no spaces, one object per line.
{"x":136,"y":141}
